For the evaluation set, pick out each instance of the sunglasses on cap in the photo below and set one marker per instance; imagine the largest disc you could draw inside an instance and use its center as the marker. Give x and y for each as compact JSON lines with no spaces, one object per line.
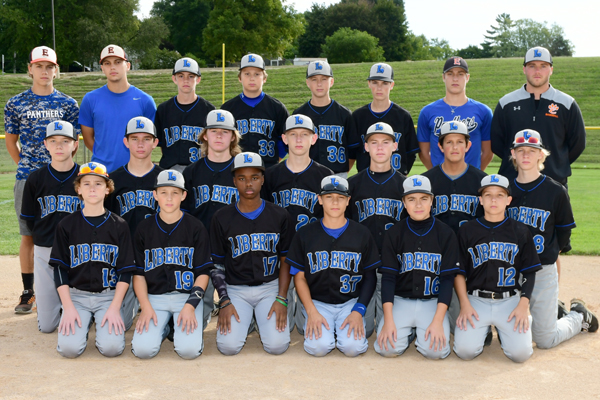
{"x":98,"y":169}
{"x":335,"y":186}
{"x":530,"y":139}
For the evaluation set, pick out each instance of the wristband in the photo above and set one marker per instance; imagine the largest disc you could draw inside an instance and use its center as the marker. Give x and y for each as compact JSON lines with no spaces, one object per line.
{"x":228,"y":303}
{"x":281,"y":301}
{"x":359,"y":308}
{"x":196,"y":295}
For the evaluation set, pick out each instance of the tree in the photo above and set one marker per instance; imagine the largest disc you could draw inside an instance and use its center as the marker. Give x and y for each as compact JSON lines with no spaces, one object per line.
{"x":309,"y":43}
{"x":258,"y":26}
{"x":391,"y":27}
{"x":500,"y":37}
{"x":352,"y":46}
{"x":440,"y":49}
{"x":418,"y":48}
{"x":144,"y":45}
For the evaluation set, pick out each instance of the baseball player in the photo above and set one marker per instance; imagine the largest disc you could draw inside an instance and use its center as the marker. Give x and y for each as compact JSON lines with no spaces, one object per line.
{"x":376,"y":199}
{"x":92,"y":257}
{"x":180,"y":119}
{"x":172,"y":265}
{"x":455,"y":106}
{"x":543,"y":205}
{"x":334,"y":262}
{"x":294,"y":183}
{"x":208,"y":180}
{"x":382,"y":109}
{"x":26,"y":116}
{"x":419,"y":262}
{"x":250,"y":240}
{"x":494,"y":251}
{"x":106,"y":110}
{"x":333,"y":122}
{"x":260,"y":118}
{"x":455,"y":184}
{"x":48,"y":197}
{"x":538,"y":105}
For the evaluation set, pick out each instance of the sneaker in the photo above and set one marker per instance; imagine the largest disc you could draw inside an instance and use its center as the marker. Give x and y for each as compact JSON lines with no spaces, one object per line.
{"x":590,"y":321}
{"x":26,"y":303}
{"x":562,"y":309}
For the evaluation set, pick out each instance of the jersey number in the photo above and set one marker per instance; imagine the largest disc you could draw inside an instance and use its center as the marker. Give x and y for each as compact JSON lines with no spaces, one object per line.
{"x":396,"y":158}
{"x":303,"y":220}
{"x":336,"y":154}
{"x":538,"y":240}
{"x":194,"y":154}
{"x":269,"y":263}
{"x":267,"y":148}
{"x":109,"y":277}
{"x":184,"y":280}
{"x":507,"y":279}
{"x":349,"y":283}
{"x":432,"y":286}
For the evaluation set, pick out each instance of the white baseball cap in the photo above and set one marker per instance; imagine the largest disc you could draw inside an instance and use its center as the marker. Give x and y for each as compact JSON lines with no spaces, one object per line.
{"x":416,"y":184}
{"x":335,"y":184}
{"x":61,"y":128}
{"x":529,"y":138}
{"x":538,"y":54}
{"x":380,"y":128}
{"x":495,"y":180}
{"x":252,"y":60}
{"x":170,"y":177}
{"x":453,"y":127}
{"x":220,"y":119}
{"x":187,"y":64}
{"x":299,"y":121}
{"x":140,"y":125}
{"x":247,"y":160}
{"x":381,"y":72}
{"x":42,"y":53}
{"x":112,"y":50}
{"x":319,"y":68}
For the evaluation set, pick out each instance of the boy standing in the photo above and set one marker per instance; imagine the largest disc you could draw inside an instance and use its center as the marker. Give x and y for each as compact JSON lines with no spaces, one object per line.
{"x":173,"y":262}
{"x":382,"y":109}
{"x":494,"y":251}
{"x":49,"y":196}
{"x":106,"y":110}
{"x":26,"y":116}
{"x":93,"y":261}
{"x":543,"y":205}
{"x":180,"y":119}
{"x":334,"y":262}
{"x":457,"y":107}
{"x":260,"y":118}
{"x":333,"y":122}
{"x":250,"y":240}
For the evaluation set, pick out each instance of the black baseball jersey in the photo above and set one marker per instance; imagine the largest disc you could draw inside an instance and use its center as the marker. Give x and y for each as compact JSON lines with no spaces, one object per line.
{"x":544,"y":206}
{"x":404,"y":130}
{"x":260,"y":126}
{"x":178,"y":127}
{"x":419,"y":253}
{"x":298,"y":193}
{"x":335,"y":127}
{"x":378,"y":206}
{"x":210,"y":187}
{"x":171,"y":256}
{"x":250,"y":248}
{"x":492,"y":255}
{"x":48,"y":197}
{"x":558,"y":120}
{"x":133,"y":199}
{"x":93,"y":255}
{"x":456,"y":200}
{"x":333,"y":268}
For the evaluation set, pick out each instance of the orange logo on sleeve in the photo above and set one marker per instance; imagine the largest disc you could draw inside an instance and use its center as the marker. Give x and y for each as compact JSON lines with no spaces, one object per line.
{"x":552,"y":109}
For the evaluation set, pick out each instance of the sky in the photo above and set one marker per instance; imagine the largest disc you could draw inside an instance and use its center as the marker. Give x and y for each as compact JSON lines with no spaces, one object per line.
{"x":464,"y":22}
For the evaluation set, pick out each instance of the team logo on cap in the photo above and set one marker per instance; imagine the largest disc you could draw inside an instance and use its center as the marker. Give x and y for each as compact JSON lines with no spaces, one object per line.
{"x":251,"y":58}
{"x":494,"y":179}
{"x":526,"y":135}
{"x":417,"y":182}
{"x":453,"y":126}
{"x":334,"y":182}
{"x":45,"y":52}
{"x":299,"y":121}
{"x":186,"y":63}
{"x":552,"y":109}
{"x":537,"y":53}
{"x":58,"y":126}
{"x":111,"y":50}
{"x":139,"y":124}
{"x":318,"y":66}
{"x":380,"y":69}
{"x":378,"y":127}
{"x":172,"y":176}
{"x":247,"y":158}
{"x":220,"y":117}
{"x":457,"y":61}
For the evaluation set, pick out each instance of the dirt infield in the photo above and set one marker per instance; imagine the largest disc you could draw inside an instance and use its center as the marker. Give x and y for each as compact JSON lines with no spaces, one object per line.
{"x":30,"y":366}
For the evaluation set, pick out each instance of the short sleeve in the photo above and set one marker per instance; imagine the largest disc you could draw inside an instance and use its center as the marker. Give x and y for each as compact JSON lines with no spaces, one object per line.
{"x":564,"y":218}
{"x":423,"y":132}
{"x":59,"y":256}
{"x":450,"y":258}
{"x":389,"y":261}
{"x":287,"y":233}
{"x":295,"y":256}
{"x":528,"y":256}
{"x":126,"y":259}
{"x":72,"y":116}
{"x":202,"y":259}
{"x":11,"y":121}
{"x":370,"y":258}
{"x":486,"y":123}
{"x":139,"y":250}
{"x":217,"y":241}
{"x":149,"y":108}
{"x":28,"y":205}
{"x":86,"y":117}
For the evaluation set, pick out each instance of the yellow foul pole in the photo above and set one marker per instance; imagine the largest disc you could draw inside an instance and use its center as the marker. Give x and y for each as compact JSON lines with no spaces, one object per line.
{"x":223,"y":73}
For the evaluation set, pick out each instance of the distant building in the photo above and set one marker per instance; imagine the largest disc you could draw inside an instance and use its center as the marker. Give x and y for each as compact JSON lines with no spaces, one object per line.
{"x":307,"y":60}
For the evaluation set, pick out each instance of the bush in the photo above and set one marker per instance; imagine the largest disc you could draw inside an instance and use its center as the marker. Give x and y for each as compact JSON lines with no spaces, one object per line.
{"x":352,"y":46}
{"x":159,"y":59}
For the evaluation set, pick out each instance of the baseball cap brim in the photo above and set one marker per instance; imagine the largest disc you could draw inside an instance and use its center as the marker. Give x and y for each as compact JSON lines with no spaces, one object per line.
{"x":481,"y":189}
{"x":324,"y":192}
{"x":368,"y":135}
{"x":534,"y":145}
{"x":169,"y":185}
{"x":441,"y":137}
{"x":417,"y":191}
{"x":218,"y":126}
{"x":380,"y":78}
{"x":43,"y":59}
{"x":233,"y":169}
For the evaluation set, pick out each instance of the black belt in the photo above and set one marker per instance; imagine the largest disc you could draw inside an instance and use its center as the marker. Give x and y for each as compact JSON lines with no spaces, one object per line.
{"x":493,"y":295}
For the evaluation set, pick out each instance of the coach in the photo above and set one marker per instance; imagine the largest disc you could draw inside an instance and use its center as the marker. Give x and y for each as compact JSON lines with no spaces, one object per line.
{"x":539,"y":106}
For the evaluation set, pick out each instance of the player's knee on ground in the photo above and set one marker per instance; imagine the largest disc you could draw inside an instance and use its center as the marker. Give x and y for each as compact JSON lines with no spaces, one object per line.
{"x":113,"y":347}
{"x":229,"y":347}
{"x":434,"y":355}
{"x":519,"y":353}
{"x":318,"y":348}
{"x":144,"y":351}
{"x":465,"y":350}
{"x":188,"y":350}
{"x":352,"y":348}
{"x":277,"y":345}
{"x":70,"y":348}
{"x":47,"y":326}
